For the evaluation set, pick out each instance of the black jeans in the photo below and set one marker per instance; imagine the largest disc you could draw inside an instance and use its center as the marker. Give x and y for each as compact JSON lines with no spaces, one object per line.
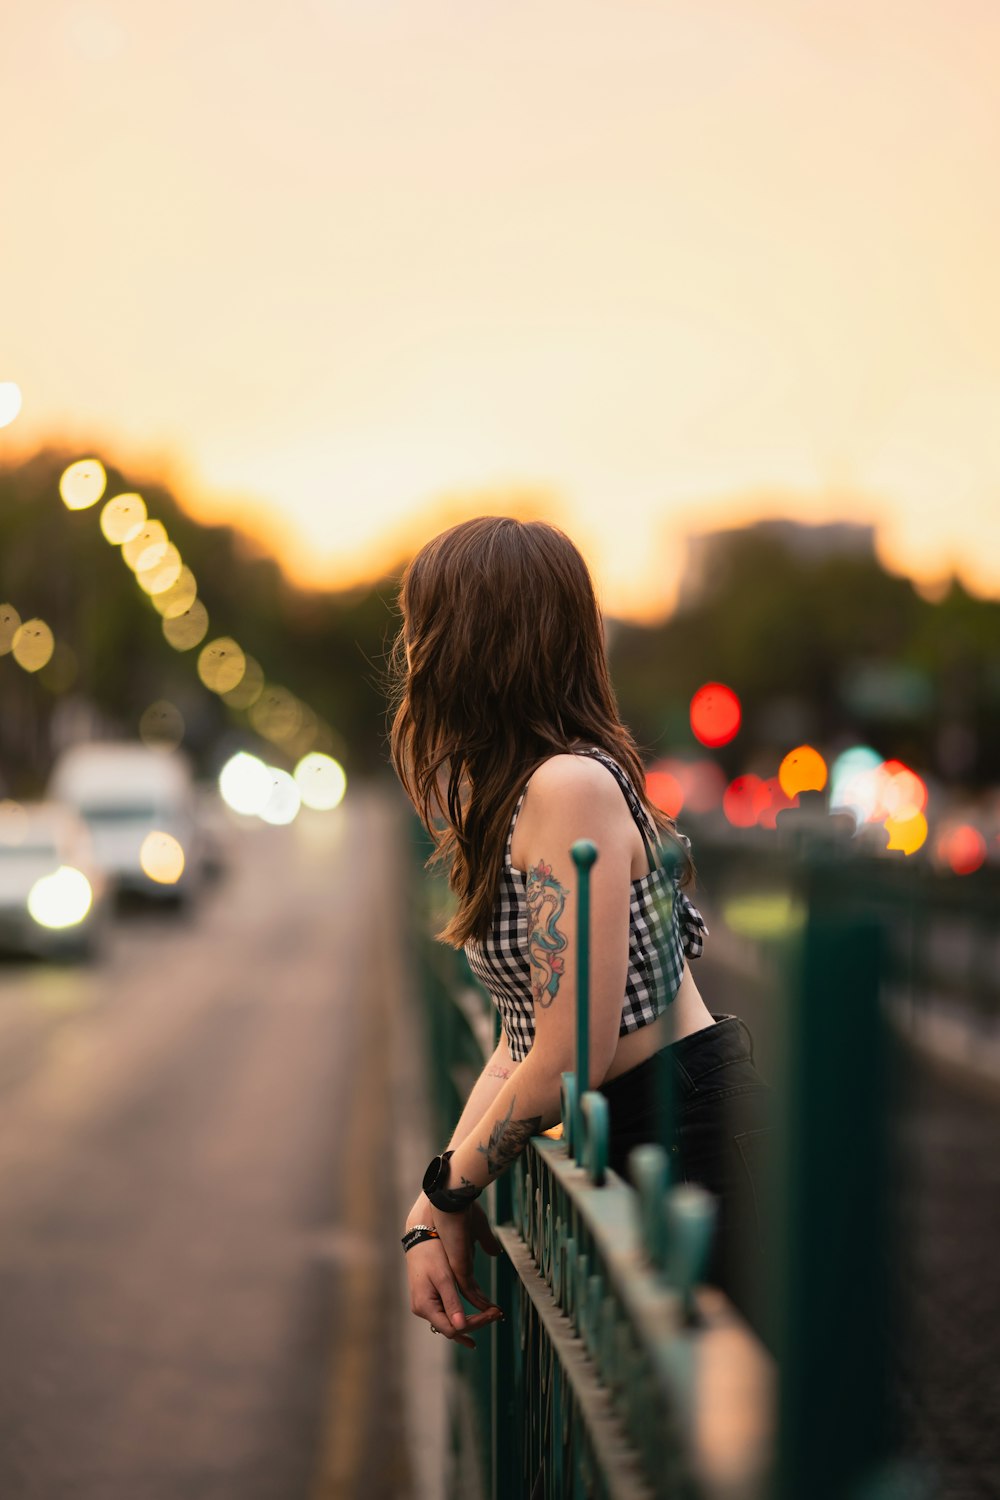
{"x":721,"y":1139}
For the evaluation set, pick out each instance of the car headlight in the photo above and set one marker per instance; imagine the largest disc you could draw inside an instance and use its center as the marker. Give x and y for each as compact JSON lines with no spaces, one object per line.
{"x":61,"y":899}
{"x":162,"y":857}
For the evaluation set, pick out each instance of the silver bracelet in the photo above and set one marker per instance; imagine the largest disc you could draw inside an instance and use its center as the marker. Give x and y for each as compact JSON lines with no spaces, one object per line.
{"x":418,"y":1235}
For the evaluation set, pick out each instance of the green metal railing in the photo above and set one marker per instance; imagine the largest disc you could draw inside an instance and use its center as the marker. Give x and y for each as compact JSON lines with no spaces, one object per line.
{"x":616,"y":1372}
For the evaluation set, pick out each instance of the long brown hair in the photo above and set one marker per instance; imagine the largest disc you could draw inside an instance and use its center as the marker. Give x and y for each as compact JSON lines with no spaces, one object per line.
{"x":500,"y":664}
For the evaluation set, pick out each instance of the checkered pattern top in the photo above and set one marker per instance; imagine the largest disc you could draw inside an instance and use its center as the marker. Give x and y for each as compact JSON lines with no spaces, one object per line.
{"x":664,"y":928}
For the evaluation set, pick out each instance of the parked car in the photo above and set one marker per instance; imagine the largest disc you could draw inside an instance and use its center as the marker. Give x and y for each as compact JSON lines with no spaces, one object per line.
{"x":139,"y":804}
{"x":53,"y":896}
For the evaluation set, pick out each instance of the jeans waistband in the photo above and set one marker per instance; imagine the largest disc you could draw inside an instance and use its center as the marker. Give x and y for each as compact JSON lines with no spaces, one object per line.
{"x":729,"y":1040}
{"x":694,"y":1057}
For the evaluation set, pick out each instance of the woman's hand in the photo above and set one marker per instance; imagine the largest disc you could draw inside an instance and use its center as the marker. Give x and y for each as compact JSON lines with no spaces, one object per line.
{"x":432,"y":1274}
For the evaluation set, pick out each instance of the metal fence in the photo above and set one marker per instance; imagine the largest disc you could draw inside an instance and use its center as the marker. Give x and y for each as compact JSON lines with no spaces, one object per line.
{"x":616,"y":1372}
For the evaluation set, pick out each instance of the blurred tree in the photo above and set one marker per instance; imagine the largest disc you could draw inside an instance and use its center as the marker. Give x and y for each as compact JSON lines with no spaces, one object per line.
{"x":327,"y":648}
{"x":824,"y":646}
{"x":827,"y":647}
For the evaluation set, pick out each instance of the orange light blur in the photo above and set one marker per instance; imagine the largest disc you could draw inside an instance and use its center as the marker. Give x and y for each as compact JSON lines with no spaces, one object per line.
{"x":802,"y":770}
{"x":664,"y":790}
{"x":715,"y":714}
{"x":908,"y":834}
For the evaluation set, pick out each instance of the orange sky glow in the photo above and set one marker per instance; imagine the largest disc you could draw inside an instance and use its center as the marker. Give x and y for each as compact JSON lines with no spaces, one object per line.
{"x":347,"y":268}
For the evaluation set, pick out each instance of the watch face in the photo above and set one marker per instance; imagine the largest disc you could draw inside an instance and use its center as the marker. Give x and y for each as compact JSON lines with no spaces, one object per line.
{"x":436,"y":1174}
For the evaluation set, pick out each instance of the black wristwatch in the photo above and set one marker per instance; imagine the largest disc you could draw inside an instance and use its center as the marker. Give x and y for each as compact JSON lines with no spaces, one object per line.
{"x":447,"y":1200}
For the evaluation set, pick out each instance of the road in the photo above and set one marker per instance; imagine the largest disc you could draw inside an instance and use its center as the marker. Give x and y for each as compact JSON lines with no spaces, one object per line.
{"x":199,"y":1289}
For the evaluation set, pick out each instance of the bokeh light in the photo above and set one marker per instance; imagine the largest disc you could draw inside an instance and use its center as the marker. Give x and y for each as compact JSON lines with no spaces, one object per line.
{"x":221,"y":664}
{"x":177,"y":599}
{"x":162,"y":723}
{"x":122,"y":518}
{"x":700,"y":784}
{"x":802,"y":770}
{"x":769,"y":914}
{"x":82,"y":484}
{"x":147,"y":547}
{"x":703,"y":784}
{"x":249,"y":688}
{"x":901,"y":792}
{"x":33,"y":645}
{"x":245,"y":783}
{"x":854,"y":783}
{"x":321,"y":781}
{"x":306,"y":735}
{"x":10,"y":402}
{"x":276,"y":714}
{"x":744,"y":800}
{"x":189,"y":629}
{"x":664,"y":790}
{"x":284,"y":801}
{"x":777,"y":801}
{"x":907,"y":834}
{"x":163,"y":574}
{"x":961,"y":848}
{"x":715,"y":714}
{"x":161,"y":857}
{"x":61,"y":899}
{"x":10,"y":624}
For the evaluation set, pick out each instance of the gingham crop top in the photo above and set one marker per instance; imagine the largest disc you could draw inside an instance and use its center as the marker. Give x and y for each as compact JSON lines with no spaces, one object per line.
{"x":657,"y":943}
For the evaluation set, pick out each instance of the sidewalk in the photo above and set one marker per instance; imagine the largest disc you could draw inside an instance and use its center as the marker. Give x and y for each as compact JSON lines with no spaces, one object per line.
{"x":385,"y":1426}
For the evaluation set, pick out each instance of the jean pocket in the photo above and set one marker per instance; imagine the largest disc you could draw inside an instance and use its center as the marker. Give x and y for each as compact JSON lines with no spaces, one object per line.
{"x":753,"y":1148}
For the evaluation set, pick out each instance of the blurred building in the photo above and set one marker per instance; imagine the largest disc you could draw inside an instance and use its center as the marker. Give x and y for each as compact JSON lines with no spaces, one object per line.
{"x":706,"y":550}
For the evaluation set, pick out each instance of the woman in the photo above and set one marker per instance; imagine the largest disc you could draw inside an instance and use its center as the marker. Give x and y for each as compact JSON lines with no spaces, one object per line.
{"x":507,"y":740}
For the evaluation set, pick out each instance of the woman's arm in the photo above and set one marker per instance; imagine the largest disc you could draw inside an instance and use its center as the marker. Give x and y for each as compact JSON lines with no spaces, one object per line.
{"x":572,"y":798}
{"x":497,"y":1070}
{"x":432,"y":1281}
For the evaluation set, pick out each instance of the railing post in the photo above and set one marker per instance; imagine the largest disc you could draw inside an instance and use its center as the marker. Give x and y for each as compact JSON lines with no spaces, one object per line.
{"x":831,"y":1286}
{"x":665,"y":1067}
{"x":584,"y":854}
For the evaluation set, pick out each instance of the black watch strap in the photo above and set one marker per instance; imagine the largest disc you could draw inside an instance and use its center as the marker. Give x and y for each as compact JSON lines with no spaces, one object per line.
{"x":445,"y":1199}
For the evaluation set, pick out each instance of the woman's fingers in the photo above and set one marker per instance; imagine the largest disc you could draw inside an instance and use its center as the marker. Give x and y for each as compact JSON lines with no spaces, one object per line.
{"x":444,"y":1286}
{"x":439,"y":1320}
{"x":435,"y":1286}
{"x":457,"y":1240}
{"x":473,"y":1292}
{"x":474,"y":1324}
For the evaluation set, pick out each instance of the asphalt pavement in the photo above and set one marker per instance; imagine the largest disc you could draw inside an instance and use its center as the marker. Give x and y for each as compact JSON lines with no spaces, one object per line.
{"x":199,"y":1274}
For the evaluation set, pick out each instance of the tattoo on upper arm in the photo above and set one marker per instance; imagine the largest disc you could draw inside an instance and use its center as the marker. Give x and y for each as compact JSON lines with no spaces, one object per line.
{"x":498,"y":1071}
{"x":546,"y":944}
{"x":508,"y":1139}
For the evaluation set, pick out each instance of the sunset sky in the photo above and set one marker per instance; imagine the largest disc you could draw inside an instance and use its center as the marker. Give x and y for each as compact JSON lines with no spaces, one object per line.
{"x":345,"y":266}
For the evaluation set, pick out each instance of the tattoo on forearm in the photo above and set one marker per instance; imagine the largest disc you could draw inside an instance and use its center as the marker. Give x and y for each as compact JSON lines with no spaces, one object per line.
{"x":508,"y":1139}
{"x":467,"y":1190}
{"x":498,"y":1072}
{"x":546,"y":898}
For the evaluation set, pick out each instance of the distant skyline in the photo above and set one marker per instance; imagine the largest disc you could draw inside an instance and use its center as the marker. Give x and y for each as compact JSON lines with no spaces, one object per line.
{"x":341,"y":269}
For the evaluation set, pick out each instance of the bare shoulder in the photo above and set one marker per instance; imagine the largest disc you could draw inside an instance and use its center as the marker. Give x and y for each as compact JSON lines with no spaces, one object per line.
{"x":570,"y":797}
{"x":569,"y":779}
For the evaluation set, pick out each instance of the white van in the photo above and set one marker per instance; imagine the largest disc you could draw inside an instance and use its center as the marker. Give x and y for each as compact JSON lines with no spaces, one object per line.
{"x":138,"y":801}
{"x":52,"y":895}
